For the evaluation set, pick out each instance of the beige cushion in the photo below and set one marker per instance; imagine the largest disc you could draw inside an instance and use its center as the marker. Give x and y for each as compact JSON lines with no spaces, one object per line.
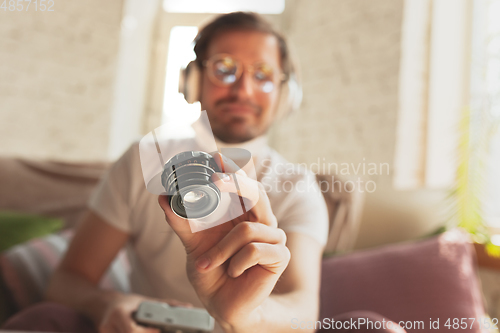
{"x":345,"y":205}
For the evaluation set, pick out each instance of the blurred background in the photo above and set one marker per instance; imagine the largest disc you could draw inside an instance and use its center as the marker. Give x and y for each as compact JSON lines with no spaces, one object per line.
{"x":388,"y":82}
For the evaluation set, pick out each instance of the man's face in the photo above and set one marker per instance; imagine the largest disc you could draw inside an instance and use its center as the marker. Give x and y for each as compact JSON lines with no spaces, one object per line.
{"x":241,"y":111}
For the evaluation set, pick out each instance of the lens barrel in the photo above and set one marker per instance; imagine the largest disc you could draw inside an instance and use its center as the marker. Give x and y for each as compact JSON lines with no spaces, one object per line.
{"x":187,"y":180}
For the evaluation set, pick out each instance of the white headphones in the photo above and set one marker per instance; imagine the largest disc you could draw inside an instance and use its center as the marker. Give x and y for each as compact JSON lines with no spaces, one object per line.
{"x":290,"y":95}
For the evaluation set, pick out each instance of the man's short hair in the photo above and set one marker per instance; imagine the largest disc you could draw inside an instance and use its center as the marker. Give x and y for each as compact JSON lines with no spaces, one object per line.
{"x":239,"y":21}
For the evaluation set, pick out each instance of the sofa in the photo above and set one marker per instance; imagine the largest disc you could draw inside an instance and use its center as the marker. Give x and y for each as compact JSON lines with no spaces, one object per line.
{"x":414,"y":282}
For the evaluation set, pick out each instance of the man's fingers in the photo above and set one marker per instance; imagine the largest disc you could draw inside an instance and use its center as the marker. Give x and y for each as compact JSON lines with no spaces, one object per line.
{"x":252,"y":191}
{"x":227,"y":165}
{"x":272,"y":257}
{"x":177,"y":303}
{"x":241,"y":235}
{"x":241,"y":185}
{"x":109,"y":327}
{"x":136,"y":328}
{"x":179,"y":224}
{"x":122,"y":322}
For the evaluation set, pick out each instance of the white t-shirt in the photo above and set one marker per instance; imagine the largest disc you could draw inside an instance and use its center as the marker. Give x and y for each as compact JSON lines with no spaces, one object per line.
{"x":157,"y":256}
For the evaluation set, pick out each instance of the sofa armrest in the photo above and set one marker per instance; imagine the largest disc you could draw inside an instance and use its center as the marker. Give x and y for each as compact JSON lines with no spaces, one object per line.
{"x":344,"y":201}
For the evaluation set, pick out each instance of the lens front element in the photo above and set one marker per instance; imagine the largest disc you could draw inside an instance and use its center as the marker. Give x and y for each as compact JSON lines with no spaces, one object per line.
{"x":193,"y":197}
{"x":199,"y":201}
{"x":187,"y":180}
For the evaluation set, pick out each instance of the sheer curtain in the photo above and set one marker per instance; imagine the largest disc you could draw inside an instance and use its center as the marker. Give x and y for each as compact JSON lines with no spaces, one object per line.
{"x":485,"y":105}
{"x":434,"y":90}
{"x":450,"y":69}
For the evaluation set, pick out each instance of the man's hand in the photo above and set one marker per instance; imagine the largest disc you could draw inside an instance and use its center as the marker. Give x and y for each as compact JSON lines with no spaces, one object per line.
{"x":234,"y":266}
{"x":118,"y":316}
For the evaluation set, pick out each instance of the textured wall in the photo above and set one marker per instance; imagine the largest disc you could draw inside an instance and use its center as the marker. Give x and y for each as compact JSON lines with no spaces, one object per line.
{"x":349,"y":53}
{"x":56,"y":79}
{"x":56,"y":87}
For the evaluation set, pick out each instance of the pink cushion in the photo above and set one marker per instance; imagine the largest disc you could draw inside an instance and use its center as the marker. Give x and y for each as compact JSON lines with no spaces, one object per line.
{"x":433,"y":278}
{"x":26,"y":268}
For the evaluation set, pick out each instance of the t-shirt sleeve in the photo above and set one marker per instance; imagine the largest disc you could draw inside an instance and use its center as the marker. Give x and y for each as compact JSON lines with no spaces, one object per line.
{"x":112,"y":198}
{"x":303,"y":210}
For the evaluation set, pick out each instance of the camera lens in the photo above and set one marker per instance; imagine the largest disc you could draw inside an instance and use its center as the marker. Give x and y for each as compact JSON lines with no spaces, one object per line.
{"x":187,"y":180}
{"x":194,"y":197}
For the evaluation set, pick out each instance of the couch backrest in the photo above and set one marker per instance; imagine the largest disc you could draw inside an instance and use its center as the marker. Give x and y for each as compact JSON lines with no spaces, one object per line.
{"x":48,"y":188}
{"x":61,"y":190}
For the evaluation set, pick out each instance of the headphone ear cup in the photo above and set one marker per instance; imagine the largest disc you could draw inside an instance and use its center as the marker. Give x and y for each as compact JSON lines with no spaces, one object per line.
{"x":290,"y":97}
{"x":189,"y":83}
{"x":283,"y":108}
{"x":294,"y":93}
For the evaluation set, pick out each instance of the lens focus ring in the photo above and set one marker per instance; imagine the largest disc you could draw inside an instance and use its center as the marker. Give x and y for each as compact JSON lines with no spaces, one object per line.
{"x":187,"y":176}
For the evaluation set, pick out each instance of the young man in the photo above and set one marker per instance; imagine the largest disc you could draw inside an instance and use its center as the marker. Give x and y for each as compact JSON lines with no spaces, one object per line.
{"x":254,"y":273}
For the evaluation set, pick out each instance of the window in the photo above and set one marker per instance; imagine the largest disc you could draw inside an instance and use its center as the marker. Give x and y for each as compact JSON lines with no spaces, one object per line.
{"x":176,"y":110}
{"x":492,"y":209}
{"x":485,"y":99}
{"x":224,"y":6}
{"x":434,"y":72}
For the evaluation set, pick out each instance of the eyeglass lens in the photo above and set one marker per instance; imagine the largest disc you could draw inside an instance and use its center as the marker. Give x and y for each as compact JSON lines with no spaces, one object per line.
{"x":227,"y":71}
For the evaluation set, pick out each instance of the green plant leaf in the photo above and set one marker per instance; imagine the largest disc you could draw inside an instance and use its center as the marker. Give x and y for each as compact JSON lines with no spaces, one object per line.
{"x":16,"y":228}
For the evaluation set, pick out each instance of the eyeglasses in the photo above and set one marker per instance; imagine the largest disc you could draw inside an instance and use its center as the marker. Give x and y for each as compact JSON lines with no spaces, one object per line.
{"x":224,"y":70}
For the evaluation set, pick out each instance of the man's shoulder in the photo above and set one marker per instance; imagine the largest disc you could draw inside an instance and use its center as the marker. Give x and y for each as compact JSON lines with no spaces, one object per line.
{"x":295,"y":197}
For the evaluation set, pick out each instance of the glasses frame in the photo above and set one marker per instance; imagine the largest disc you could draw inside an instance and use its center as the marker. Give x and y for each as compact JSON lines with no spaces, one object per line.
{"x":240,"y":67}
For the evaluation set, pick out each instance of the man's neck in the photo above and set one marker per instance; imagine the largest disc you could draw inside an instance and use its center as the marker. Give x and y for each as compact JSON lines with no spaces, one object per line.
{"x":255,"y":146}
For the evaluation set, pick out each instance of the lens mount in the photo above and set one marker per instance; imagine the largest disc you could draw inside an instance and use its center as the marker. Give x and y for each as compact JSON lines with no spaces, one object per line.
{"x":187,"y":181}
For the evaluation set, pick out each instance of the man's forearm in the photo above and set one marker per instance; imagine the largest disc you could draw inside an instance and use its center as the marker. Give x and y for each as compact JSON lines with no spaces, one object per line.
{"x":277,"y":312}
{"x":74,"y":291}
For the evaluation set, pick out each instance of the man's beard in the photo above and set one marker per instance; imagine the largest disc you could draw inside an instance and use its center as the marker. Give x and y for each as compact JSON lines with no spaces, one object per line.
{"x":230,"y":136}
{"x":229,"y":132}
